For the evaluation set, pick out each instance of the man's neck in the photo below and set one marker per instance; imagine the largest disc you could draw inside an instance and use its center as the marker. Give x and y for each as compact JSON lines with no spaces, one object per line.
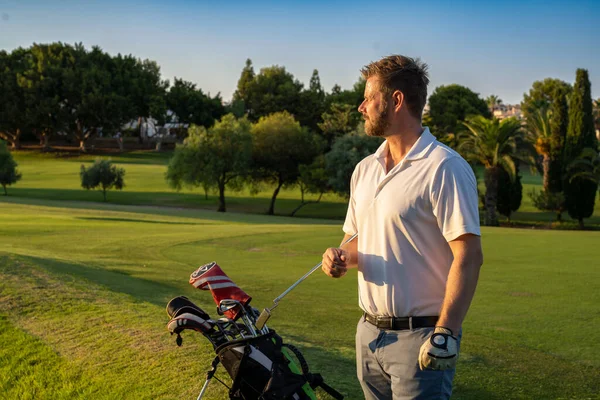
{"x":399,"y":144}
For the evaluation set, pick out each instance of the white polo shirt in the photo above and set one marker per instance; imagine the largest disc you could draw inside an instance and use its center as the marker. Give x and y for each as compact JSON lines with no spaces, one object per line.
{"x":404,"y":220}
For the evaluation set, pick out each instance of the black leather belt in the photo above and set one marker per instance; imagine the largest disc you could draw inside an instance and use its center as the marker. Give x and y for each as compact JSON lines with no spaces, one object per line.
{"x":400,"y":323}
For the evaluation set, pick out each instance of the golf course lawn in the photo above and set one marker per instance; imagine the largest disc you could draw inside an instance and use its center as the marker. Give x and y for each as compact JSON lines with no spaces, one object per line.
{"x":83,"y":289}
{"x":55,"y":176}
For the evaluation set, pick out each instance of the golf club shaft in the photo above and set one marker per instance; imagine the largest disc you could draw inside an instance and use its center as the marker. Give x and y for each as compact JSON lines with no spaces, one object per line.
{"x":266,"y":313}
{"x":282,"y":295}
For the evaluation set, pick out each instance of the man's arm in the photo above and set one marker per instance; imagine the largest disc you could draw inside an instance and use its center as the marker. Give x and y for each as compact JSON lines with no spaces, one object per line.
{"x":336,"y":261}
{"x":462,"y":281}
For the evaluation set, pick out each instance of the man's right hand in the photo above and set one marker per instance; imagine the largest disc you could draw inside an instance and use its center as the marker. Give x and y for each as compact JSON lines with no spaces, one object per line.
{"x":335,"y":262}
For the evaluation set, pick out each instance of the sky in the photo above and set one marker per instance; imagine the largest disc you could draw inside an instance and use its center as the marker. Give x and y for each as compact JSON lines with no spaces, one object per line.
{"x":496,"y":48}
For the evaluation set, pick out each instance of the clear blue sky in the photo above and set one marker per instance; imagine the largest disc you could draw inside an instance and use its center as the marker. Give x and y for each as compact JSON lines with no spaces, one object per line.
{"x":498,"y":47}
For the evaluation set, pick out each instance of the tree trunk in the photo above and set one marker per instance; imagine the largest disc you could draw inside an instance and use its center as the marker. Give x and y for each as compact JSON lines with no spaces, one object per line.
{"x":104,"y":194}
{"x":13,"y":139}
{"x":120,"y":143}
{"x":16,"y":143}
{"x":581,"y":226}
{"x":141,"y":139}
{"x":546,"y":169}
{"x":491,"y":196}
{"x":303,"y":203}
{"x":221,"y":197}
{"x":46,"y":140}
{"x":82,"y":145}
{"x":5,"y":192}
{"x":275,"y":193}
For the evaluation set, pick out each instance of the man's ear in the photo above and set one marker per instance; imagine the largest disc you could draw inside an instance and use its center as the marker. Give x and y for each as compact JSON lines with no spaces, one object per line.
{"x":398,"y":99}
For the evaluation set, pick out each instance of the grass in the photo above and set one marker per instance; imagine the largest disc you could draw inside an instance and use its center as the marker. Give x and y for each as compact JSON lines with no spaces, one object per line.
{"x":83,"y":288}
{"x":55,"y":176}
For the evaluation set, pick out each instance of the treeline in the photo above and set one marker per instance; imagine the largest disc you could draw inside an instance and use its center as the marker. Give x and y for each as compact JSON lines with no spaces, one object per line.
{"x":278,"y":131}
{"x":52,"y":89}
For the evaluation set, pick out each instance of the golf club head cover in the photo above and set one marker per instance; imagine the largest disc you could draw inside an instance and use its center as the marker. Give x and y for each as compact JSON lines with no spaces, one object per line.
{"x":211,"y":277}
{"x":189,"y":321}
{"x":182,"y":304}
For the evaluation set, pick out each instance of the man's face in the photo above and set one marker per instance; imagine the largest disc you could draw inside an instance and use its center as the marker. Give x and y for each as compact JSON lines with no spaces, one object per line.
{"x":374,"y":109}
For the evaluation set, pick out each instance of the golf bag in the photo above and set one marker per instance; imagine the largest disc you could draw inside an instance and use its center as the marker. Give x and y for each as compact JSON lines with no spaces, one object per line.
{"x":259,"y":364}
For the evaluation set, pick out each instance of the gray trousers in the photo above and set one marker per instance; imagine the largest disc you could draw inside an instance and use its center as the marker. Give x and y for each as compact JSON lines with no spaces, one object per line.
{"x":387,"y":364}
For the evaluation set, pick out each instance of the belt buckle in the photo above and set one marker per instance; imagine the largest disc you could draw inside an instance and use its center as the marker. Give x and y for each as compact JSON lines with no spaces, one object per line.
{"x":384,"y":322}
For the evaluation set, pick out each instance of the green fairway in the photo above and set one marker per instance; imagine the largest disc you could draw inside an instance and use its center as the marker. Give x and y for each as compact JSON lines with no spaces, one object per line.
{"x":83,"y":287}
{"x":55,"y":176}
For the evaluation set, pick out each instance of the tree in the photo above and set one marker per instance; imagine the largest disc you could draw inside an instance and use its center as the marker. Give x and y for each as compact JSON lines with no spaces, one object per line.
{"x":13,"y":111}
{"x":586,"y":166}
{"x":281,"y":145}
{"x":246,"y":79}
{"x":102,"y":175}
{"x":493,"y":101}
{"x":510,"y":192}
{"x":217,"y":157}
{"x":543,"y":94}
{"x":338,"y":121}
{"x":42,"y":83}
{"x":580,"y":193}
{"x":559,"y":123}
{"x":90,"y":98}
{"x":597,"y":116}
{"x":449,"y":106}
{"x":141,"y":84}
{"x":192,"y":106}
{"x":539,"y":134}
{"x":8,"y":168}
{"x":272,"y":90}
{"x":346,"y":152}
{"x":312,"y":179}
{"x":491,"y":143}
{"x":312,"y":103}
{"x":353,"y":97}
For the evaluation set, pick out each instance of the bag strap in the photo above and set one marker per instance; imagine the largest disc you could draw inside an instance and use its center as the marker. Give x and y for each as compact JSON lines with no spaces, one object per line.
{"x":316,"y":380}
{"x":299,"y":356}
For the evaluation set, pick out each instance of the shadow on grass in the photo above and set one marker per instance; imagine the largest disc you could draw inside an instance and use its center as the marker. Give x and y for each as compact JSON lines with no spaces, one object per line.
{"x":240,"y":209}
{"x":115,"y":280}
{"x":133,"y":157}
{"x":319,"y":357}
{"x":144,"y":221}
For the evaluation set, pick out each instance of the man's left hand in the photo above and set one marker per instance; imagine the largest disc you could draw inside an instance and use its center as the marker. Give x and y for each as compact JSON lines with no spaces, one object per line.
{"x":440,"y":351}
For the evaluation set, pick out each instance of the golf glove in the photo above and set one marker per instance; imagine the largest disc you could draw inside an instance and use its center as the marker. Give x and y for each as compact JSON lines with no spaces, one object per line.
{"x":440,"y":351}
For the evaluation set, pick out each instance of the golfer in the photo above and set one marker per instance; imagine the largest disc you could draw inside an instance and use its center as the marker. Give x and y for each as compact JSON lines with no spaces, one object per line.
{"x":414,"y":206}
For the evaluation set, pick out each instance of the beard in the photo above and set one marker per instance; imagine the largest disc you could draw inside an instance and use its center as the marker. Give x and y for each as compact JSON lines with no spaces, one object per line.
{"x":377,"y":126}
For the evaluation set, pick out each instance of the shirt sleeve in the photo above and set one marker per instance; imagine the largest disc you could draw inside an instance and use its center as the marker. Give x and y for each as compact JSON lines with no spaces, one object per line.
{"x":454,"y":199}
{"x":350,"y":227}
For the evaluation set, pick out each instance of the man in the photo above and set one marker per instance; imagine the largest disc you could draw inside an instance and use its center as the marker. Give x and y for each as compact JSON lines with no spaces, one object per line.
{"x":414,"y":206}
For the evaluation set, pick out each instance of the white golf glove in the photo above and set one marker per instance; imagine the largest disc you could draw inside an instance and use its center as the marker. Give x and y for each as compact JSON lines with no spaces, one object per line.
{"x":440,"y":351}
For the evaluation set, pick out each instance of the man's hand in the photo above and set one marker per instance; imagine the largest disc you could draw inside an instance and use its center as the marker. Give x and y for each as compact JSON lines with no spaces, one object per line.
{"x":335,"y":262}
{"x":440,"y":351}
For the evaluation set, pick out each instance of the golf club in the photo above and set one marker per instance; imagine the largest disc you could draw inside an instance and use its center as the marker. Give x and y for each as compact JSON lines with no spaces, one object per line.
{"x":266,"y":313}
{"x":229,"y":304}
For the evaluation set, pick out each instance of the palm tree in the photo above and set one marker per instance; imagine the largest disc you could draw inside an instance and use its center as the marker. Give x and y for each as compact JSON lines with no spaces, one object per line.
{"x":586,"y":166}
{"x":491,"y":143}
{"x":539,"y":134}
{"x":493,"y":101}
{"x":596,"y":111}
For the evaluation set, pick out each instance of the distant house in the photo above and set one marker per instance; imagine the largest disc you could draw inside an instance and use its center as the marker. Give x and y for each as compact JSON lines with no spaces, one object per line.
{"x":502,"y":111}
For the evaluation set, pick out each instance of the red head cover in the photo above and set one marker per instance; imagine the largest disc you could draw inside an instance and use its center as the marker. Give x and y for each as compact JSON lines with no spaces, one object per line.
{"x":211,"y":277}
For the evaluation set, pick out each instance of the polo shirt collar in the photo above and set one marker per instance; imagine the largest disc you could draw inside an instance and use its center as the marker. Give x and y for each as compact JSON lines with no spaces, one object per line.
{"x":417,"y":151}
